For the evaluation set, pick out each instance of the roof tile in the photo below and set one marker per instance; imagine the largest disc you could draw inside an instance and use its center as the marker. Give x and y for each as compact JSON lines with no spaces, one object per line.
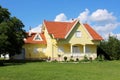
{"x":30,"y":39}
{"x":59,"y":29}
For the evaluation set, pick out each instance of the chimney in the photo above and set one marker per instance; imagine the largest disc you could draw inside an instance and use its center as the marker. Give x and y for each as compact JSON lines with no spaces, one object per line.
{"x":72,"y":19}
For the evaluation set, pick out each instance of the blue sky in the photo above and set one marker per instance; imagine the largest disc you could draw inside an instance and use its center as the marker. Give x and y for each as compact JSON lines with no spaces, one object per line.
{"x":102,"y":15}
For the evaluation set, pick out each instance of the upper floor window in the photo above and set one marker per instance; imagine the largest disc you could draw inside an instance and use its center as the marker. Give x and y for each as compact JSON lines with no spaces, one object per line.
{"x":37,"y":37}
{"x":78,"y":34}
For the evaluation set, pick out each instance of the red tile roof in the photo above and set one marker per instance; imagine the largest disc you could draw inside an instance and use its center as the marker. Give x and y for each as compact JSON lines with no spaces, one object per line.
{"x":30,"y":39}
{"x":93,"y":33}
{"x":59,"y":29}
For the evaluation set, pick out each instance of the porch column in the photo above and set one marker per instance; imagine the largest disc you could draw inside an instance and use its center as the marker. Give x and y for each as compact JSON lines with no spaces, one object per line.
{"x":84,"y":49}
{"x":71,"y":49}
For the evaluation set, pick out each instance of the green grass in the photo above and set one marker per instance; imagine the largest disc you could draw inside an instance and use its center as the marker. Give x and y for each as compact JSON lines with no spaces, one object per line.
{"x":109,"y":70}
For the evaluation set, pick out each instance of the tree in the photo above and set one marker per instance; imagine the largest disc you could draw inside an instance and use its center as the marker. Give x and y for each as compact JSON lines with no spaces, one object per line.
{"x":111,"y":48}
{"x":11,"y":33}
{"x":4,"y":14}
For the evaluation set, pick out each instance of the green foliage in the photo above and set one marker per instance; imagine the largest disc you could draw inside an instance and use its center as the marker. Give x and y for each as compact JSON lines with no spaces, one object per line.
{"x":71,"y":60}
{"x":4,"y":14}
{"x":111,"y":47}
{"x":100,"y":58}
{"x":11,"y":33}
{"x":77,"y":59}
{"x":65,"y":58}
{"x":85,"y":58}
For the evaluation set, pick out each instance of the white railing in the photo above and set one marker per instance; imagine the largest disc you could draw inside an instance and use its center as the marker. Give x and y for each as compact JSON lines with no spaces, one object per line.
{"x":80,"y":55}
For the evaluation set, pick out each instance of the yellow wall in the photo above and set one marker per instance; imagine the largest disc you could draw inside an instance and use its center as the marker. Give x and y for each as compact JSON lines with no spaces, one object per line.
{"x":93,"y":48}
{"x":35,"y":51}
{"x":49,"y":40}
{"x":84,"y":39}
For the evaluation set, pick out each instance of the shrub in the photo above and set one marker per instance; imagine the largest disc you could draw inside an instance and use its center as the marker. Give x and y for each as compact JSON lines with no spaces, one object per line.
{"x":77,"y":59}
{"x":71,"y":60}
{"x":100,"y":58}
{"x":65,"y":58}
{"x":85,"y":58}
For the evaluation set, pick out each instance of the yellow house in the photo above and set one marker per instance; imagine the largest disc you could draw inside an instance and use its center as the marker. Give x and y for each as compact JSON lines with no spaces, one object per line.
{"x":60,"y":39}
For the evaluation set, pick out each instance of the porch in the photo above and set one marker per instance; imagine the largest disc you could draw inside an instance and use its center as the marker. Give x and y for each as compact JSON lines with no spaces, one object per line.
{"x":77,"y":51}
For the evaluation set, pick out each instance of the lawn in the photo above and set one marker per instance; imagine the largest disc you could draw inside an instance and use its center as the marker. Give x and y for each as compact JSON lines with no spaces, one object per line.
{"x":107,"y":70}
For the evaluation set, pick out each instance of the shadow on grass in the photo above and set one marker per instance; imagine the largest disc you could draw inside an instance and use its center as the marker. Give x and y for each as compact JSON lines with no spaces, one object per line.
{"x":16,"y":62}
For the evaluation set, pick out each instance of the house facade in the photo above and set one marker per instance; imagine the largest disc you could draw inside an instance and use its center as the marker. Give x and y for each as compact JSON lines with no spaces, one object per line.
{"x":62,"y":39}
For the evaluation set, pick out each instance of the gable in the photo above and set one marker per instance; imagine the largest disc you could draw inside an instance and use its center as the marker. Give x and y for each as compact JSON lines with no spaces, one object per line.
{"x":80,"y":35}
{"x":59,"y":30}
{"x":35,"y":38}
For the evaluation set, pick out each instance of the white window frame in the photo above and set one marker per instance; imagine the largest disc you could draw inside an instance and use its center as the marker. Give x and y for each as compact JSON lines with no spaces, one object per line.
{"x":37,"y":35}
{"x":78,"y":34}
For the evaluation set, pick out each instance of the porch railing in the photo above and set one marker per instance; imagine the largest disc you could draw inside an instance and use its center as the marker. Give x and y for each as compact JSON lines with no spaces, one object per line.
{"x":80,"y":55}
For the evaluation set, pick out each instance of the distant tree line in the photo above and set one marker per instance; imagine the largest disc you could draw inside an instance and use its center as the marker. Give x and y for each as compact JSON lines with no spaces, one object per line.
{"x":109,"y":49}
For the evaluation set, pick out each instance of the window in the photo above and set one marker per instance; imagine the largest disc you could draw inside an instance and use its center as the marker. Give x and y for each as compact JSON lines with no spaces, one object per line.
{"x":78,"y":34}
{"x":87,"y":49}
{"x":43,"y":50}
{"x":37,"y":37}
{"x":60,"y":49}
{"x":76,"y":49}
{"x":36,"y":50}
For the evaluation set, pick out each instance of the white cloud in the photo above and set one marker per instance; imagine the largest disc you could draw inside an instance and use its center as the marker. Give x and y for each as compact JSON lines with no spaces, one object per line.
{"x":102,"y":15}
{"x":111,"y":34}
{"x":61,"y":17}
{"x":84,"y":16}
{"x":106,"y":28}
{"x":36,"y":29}
{"x":103,"y":21}
{"x":118,"y":36}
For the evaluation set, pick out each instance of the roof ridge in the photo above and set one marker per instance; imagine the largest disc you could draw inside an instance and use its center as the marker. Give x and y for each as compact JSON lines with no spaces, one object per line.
{"x":60,"y":21}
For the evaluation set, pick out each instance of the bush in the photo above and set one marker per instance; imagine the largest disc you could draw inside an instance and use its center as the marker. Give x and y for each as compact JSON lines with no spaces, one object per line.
{"x":1,"y":63}
{"x":100,"y":58}
{"x":85,"y":58}
{"x":71,"y":60}
{"x":77,"y":59}
{"x":65,"y":58}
